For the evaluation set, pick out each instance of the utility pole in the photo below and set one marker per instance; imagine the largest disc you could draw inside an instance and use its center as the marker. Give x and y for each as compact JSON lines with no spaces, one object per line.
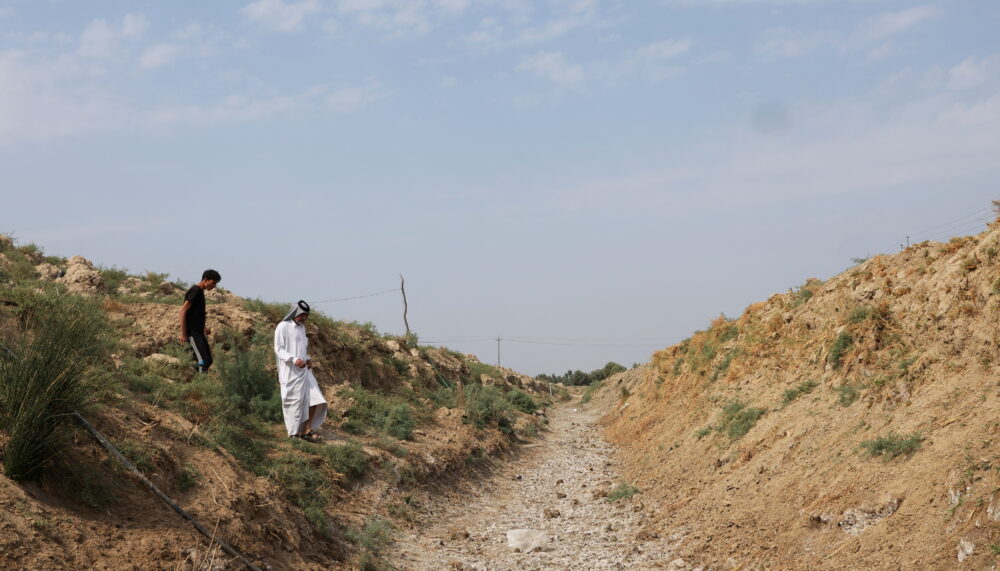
{"x":498,"y":351}
{"x":402,"y":288}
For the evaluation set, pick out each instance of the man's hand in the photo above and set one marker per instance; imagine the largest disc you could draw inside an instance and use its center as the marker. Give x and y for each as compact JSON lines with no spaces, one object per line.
{"x":300,"y":363}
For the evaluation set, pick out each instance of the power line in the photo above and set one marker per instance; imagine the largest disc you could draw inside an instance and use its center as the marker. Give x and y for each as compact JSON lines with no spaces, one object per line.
{"x":358,"y":296}
{"x":942,"y":225}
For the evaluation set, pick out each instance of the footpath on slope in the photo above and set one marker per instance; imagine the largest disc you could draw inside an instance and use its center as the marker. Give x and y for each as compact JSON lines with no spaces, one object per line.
{"x":557,"y":486}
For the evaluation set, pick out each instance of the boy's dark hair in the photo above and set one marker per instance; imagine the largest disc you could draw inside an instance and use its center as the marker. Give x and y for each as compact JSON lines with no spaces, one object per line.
{"x":211,"y":275}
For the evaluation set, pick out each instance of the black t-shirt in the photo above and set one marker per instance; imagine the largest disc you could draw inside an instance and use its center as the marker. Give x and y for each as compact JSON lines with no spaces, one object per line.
{"x":194,"y":319}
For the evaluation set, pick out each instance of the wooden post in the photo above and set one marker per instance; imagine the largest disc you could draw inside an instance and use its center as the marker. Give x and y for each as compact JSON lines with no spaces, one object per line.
{"x":402,"y":288}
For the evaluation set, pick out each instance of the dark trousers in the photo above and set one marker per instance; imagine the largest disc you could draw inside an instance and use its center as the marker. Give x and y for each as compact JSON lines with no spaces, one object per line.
{"x":200,"y":349}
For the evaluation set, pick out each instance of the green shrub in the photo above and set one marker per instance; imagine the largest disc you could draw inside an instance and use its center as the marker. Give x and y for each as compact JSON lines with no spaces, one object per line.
{"x":840,"y":346}
{"x":250,"y":452}
{"x":723,"y":365}
{"x":374,"y":536}
{"x":113,"y":278}
{"x":379,"y":413}
{"x":272,"y":311}
{"x":57,"y":366}
{"x":893,"y":445}
{"x":622,"y":491}
{"x":485,"y":406}
{"x":738,"y":419}
{"x":803,"y":388}
{"x":189,"y":477}
{"x":860,"y":314}
{"x":140,"y":455}
{"x":522,"y":401}
{"x":347,"y":459}
{"x":478,"y":369}
{"x":591,"y":390}
{"x":846,"y":394}
{"x":399,"y":422}
{"x":249,"y":387}
{"x":802,"y":296}
{"x":304,"y":485}
{"x":703,"y":432}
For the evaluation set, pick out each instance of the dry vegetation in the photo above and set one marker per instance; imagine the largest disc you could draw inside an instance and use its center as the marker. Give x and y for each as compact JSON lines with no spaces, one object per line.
{"x":402,"y":416}
{"x":847,"y":424}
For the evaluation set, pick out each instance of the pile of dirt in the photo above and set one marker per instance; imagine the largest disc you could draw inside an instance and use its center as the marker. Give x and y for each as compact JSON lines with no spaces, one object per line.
{"x":851,"y":423}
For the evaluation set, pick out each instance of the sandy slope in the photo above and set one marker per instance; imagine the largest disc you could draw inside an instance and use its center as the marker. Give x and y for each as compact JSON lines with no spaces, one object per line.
{"x":466,"y":528}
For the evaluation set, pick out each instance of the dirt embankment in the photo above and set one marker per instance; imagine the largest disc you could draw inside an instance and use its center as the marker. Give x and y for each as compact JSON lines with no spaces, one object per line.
{"x":85,"y":512}
{"x":854,"y":423}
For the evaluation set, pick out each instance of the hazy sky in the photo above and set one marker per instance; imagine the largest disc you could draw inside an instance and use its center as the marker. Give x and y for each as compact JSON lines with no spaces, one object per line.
{"x":606,"y":175}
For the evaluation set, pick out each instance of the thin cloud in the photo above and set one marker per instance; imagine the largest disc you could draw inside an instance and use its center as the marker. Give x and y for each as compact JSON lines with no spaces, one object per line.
{"x":100,"y":39}
{"x":554,"y":67}
{"x":886,"y":25}
{"x":973,"y":72}
{"x":667,"y":49}
{"x":159,"y":56}
{"x":276,"y":14}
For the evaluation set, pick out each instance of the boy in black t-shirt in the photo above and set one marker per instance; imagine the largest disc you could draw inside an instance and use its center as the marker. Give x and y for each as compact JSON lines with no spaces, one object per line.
{"x":193,"y":328}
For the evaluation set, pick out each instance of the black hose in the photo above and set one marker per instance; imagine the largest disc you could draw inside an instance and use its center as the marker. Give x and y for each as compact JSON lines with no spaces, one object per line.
{"x":166,"y":499}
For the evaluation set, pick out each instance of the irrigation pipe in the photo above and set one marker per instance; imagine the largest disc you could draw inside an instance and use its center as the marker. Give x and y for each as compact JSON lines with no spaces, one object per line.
{"x":166,"y":499}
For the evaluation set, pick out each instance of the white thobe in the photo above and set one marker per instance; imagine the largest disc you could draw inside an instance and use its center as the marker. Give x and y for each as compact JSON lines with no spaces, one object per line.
{"x":299,"y":389}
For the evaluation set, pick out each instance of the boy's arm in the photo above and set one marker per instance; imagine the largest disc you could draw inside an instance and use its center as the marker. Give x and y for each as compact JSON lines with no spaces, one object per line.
{"x":184,"y":310}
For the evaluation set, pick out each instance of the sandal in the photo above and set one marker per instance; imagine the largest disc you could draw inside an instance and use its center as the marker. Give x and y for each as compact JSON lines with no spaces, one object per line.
{"x":310,"y":437}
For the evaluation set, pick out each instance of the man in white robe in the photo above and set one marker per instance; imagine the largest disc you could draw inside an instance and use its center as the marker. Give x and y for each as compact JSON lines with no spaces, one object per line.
{"x":302,"y":403}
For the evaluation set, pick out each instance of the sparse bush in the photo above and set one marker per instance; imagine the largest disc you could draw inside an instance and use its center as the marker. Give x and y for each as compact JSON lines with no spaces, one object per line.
{"x":803,"y":388}
{"x":802,"y":296}
{"x":249,"y":387}
{"x":860,"y":314}
{"x":738,"y":419}
{"x":840,"y":346}
{"x":250,"y":452}
{"x":485,"y":406}
{"x":189,"y":478}
{"x":589,"y":393}
{"x":371,"y":539}
{"x":893,"y":445}
{"x":846,"y":394}
{"x":399,"y":423}
{"x":703,"y":432}
{"x":57,"y":366}
{"x":522,"y":401}
{"x":272,"y":311}
{"x":373,"y":411}
{"x":723,"y":365}
{"x":347,"y":459}
{"x":113,"y":278}
{"x":622,"y":491}
{"x":305,"y":486}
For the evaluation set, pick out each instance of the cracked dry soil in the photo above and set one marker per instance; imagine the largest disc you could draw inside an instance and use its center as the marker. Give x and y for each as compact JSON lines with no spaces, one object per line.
{"x":557,"y":485}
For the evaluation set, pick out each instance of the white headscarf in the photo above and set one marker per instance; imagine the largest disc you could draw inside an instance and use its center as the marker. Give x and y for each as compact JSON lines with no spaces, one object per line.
{"x":297,"y":310}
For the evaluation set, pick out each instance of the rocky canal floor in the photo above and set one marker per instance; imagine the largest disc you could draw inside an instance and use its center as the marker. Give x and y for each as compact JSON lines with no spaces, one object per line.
{"x":548,"y":508}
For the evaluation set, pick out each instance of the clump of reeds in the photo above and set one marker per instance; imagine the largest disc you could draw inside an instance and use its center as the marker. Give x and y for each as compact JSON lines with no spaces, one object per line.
{"x":55,"y":363}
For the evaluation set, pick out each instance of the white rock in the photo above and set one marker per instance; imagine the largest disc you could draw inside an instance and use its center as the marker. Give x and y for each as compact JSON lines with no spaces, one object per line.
{"x":965,"y":549}
{"x":527,"y":540}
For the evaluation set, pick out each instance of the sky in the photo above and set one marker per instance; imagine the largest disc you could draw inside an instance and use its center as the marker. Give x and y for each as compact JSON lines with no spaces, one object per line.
{"x":589,"y":180}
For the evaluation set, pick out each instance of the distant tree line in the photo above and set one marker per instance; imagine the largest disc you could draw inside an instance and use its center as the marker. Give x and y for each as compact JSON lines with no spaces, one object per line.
{"x":579,"y":378}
